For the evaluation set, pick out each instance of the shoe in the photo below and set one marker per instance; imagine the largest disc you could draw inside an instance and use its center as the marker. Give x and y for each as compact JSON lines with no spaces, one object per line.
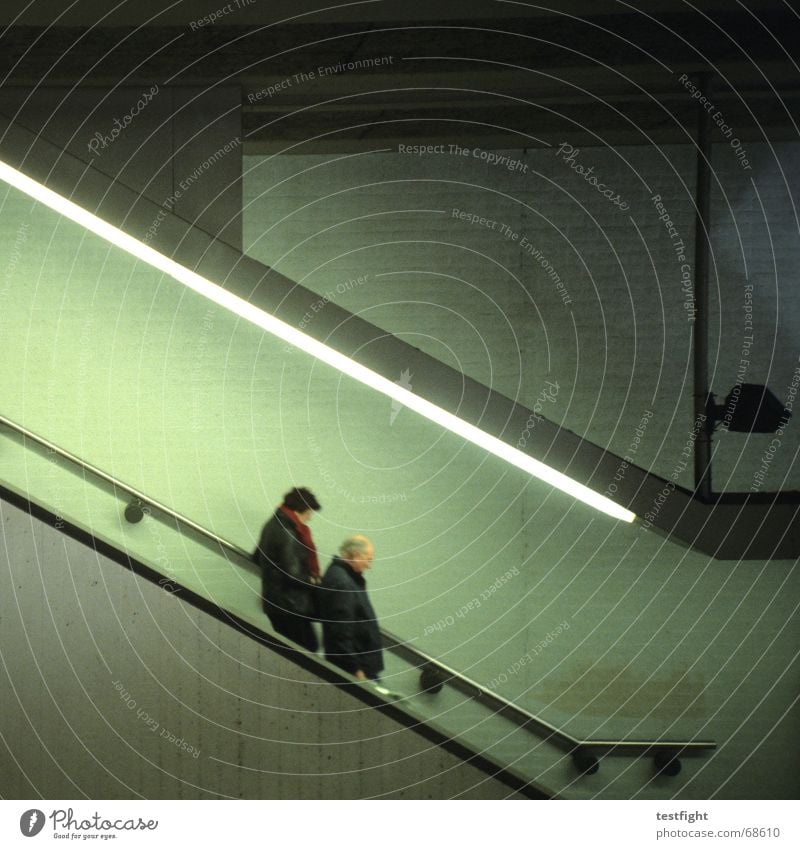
{"x":389,"y":694}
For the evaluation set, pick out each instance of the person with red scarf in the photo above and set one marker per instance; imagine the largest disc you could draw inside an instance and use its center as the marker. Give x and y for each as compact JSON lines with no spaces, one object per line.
{"x":290,"y":568}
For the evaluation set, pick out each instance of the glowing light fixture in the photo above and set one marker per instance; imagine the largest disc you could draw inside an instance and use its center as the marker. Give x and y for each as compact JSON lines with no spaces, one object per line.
{"x":295,"y":337}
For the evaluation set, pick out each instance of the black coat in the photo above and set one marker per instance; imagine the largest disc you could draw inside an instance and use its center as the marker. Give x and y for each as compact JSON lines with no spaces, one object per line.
{"x":285,"y":575}
{"x":349,"y":625}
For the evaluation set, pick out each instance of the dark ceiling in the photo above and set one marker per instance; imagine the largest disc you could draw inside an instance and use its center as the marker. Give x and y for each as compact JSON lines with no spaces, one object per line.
{"x":508,"y":74}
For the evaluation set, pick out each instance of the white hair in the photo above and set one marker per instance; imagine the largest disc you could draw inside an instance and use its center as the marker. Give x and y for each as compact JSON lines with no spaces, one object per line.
{"x":356,"y":544}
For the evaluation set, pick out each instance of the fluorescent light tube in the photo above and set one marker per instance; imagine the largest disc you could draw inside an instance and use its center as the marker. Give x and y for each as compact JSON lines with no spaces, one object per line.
{"x":295,"y":337}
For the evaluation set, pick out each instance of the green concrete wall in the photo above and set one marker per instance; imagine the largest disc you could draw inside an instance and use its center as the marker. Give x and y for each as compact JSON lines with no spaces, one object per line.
{"x":145,"y":380}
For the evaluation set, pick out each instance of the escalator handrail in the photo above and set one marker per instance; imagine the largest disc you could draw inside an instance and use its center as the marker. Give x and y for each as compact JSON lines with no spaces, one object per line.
{"x":391,"y":642}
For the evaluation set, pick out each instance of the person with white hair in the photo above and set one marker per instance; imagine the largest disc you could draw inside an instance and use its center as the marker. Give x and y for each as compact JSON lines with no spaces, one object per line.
{"x":350,"y":629}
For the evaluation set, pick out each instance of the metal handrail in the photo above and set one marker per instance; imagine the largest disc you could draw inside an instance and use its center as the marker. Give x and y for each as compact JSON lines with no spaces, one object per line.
{"x":117,"y":484}
{"x":391,"y":642}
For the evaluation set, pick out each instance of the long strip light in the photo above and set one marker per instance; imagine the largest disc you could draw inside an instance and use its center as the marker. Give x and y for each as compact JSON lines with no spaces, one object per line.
{"x":295,"y":337}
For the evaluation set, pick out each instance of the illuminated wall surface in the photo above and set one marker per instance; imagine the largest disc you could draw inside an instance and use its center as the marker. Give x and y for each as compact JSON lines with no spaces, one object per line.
{"x":608,"y":630}
{"x":559,"y":283}
{"x":518,"y":276}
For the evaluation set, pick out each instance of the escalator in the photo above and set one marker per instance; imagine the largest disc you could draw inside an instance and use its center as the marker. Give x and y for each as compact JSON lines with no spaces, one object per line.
{"x":728,"y":526}
{"x":110,"y":509}
{"x":525,"y":752}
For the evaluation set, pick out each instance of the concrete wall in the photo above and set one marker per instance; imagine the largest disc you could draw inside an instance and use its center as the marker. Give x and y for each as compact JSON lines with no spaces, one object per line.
{"x":480,"y":565}
{"x":180,"y":146}
{"x":614,"y":331}
{"x":114,"y":688}
{"x":561,"y":283}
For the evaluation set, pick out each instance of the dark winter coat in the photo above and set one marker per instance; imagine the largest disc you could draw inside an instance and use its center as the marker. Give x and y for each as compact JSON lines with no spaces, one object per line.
{"x":285,"y":574}
{"x":349,"y":625}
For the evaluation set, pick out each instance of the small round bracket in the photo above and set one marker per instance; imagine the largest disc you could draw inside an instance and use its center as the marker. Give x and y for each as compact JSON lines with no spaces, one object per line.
{"x":585,"y":762}
{"x":134,"y":512}
{"x":431,"y":679}
{"x":667,"y":762}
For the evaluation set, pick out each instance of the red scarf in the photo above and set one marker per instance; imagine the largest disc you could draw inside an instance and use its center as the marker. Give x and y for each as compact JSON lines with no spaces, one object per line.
{"x":304,"y":532}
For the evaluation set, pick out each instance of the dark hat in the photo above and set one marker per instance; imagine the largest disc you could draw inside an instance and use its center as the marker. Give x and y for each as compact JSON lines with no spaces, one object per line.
{"x":301,"y":499}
